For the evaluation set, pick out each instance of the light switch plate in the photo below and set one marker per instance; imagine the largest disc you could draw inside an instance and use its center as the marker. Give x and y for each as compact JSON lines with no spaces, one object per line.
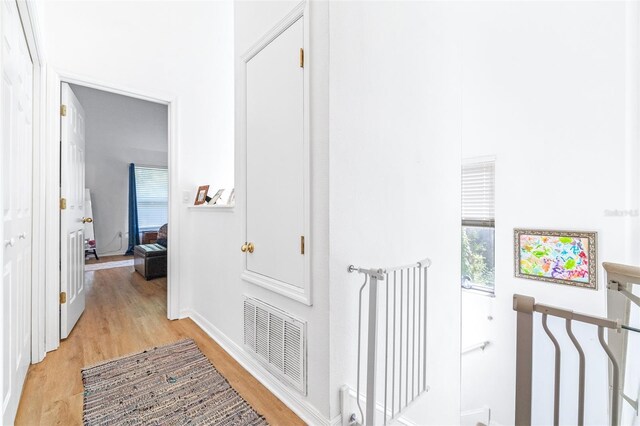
{"x":186,"y":197}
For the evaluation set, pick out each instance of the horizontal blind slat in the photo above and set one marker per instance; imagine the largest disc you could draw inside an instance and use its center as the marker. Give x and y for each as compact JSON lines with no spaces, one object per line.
{"x":478,"y":191}
{"x":152,"y":192}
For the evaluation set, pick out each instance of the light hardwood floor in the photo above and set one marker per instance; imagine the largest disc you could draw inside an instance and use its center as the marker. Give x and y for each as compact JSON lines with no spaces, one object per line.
{"x":125,"y":314}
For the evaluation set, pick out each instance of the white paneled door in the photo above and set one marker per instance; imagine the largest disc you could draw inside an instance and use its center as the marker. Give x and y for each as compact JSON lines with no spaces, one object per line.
{"x":72,"y":219}
{"x":275,"y":167}
{"x":16,"y":113}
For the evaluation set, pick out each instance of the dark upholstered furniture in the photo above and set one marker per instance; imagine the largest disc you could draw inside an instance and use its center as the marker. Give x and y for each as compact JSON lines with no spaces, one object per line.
{"x":150,"y":260}
{"x":162,"y":235}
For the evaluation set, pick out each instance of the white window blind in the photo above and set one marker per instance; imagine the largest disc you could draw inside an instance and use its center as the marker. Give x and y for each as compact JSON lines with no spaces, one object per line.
{"x":152,"y":191}
{"x":478,"y":193}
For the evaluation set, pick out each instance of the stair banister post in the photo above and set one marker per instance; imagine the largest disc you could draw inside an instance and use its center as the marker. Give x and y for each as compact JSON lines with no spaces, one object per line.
{"x":524,"y":306}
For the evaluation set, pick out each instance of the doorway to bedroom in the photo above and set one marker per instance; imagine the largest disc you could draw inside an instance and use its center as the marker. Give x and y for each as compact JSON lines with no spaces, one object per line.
{"x":114,"y":199}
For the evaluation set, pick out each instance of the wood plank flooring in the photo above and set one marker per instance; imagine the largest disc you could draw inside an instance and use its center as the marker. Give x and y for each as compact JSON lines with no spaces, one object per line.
{"x":125,"y":314}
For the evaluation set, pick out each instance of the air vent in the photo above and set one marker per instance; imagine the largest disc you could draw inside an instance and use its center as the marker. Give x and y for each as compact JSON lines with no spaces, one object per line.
{"x":278,"y":341}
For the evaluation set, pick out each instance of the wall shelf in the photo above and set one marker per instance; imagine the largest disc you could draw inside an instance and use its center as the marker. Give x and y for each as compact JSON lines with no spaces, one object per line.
{"x":215,"y":207}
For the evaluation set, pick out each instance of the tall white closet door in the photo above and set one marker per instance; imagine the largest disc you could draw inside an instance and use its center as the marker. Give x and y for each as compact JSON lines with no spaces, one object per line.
{"x":275,"y":161}
{"x":16,"y":112}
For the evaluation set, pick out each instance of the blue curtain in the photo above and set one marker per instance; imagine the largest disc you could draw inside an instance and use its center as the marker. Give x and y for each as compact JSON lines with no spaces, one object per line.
{"x":134,"y":231}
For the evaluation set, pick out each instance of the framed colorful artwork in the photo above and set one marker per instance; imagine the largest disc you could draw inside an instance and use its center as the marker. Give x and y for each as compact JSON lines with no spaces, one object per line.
{"x":561,"y":257}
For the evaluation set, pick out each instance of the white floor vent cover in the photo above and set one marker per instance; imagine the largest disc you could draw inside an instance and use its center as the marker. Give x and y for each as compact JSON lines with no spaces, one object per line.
{"x":278,"y":341}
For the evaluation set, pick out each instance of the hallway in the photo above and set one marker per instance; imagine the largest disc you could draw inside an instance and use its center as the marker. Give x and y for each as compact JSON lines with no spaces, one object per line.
{"x":125,"y":314}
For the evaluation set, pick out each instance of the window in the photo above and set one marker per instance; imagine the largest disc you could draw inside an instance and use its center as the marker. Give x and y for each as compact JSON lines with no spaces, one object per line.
{"x":478,"y":225}
{"x":152,"y":192}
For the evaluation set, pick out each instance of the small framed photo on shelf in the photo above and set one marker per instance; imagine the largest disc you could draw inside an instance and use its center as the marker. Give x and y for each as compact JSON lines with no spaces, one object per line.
{"x":201,"y":195}
{"x":561,"y":257}
{"x":215,"y":198}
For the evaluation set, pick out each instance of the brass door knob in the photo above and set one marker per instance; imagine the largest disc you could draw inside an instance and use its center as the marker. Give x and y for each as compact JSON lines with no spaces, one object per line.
{"x":87,"y":220}
{"x":244,"y":248}
{"x":250,"y":247}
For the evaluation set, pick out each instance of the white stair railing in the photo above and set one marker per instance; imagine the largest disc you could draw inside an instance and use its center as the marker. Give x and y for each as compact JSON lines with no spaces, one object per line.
{"x":481,"y":346}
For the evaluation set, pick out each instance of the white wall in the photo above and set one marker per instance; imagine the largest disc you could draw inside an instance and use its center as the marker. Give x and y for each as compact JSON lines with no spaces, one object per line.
{"x":395,"y":175}
{"x":544,"y":91}
{"x":218,"y":291}
{"x":144,"y":46}
{"x":539,"y":85}
{"x":119,"y":130}
{"x":186,"y":49}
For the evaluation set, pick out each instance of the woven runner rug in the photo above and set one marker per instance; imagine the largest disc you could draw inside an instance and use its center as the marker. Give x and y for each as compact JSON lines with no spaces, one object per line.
{"x":169,"y":385}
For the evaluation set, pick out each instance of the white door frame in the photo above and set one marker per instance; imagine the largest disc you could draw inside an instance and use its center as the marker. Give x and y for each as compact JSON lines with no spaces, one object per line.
{"x":27,"y":12}
{"x":52,"y":191}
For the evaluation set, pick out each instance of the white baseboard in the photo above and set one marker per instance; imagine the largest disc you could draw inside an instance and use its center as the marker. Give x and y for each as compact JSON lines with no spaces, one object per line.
{"x":479,"y":416}
{"x":337,"y":420}
{"x":350,"y":406}
{"x":296,"y":402}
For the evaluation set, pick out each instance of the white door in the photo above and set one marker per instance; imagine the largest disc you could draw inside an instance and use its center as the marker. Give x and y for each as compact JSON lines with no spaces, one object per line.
{"x":16,"y":112}
{"x":275,"y":159}
{"x":72,"y":122}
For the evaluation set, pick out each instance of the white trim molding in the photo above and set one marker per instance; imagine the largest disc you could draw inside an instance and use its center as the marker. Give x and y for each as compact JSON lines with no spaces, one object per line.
{"x":300,"y":294}
{"x":349,"y":406}
{"x":51,"y":166}
{"x":28,"y":15}
{"x":291,"y":398}
{"x":277,"y":286}
{"x":228,"y":208}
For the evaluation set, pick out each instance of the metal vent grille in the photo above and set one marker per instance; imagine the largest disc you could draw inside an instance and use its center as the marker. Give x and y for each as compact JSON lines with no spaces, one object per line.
{"x":277,"y":340}
{"x":250,"y":326}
